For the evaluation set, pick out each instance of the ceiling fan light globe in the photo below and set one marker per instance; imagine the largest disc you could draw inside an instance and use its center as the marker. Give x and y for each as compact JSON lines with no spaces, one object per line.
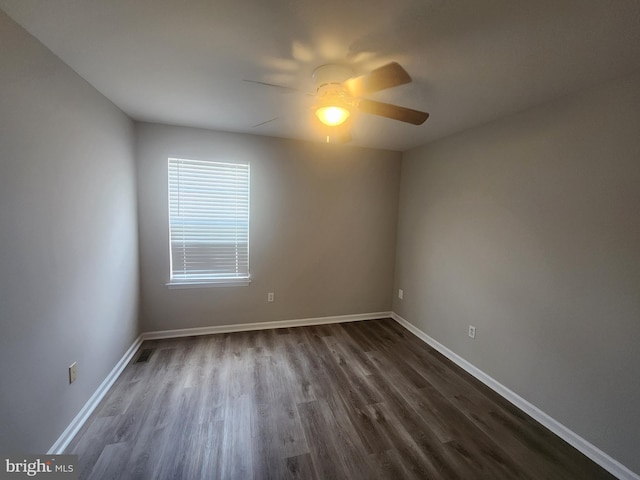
{"x":332,"y":116}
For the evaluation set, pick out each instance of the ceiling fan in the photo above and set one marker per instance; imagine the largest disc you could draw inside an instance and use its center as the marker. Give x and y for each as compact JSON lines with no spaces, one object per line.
{"x":338,"y":94}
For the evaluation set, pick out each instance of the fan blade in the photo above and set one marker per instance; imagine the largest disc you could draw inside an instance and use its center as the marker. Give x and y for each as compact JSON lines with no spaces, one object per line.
{"x":393,"y":111}
{"x":282,"y":88}
{"x":266,"y":121}
{"x":387,"y":76}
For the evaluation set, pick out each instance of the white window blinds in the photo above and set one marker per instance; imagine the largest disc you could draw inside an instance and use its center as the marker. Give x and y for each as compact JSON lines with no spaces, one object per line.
{"x":208,"y":221}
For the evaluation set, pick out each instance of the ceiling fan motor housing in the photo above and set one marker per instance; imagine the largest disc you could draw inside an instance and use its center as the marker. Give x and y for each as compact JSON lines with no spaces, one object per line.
{"x":329,"y":84}
{"x":331,"y":74}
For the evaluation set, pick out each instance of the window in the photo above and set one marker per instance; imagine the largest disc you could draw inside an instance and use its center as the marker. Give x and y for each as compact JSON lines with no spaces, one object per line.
{"x":208,"y":222}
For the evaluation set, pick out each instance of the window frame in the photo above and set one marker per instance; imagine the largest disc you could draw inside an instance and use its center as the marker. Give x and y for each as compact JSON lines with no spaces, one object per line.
{"x":195,"y":282}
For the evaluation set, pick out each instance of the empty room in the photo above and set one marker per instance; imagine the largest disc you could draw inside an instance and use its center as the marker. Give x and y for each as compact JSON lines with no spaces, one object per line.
{"x":289,"y":239}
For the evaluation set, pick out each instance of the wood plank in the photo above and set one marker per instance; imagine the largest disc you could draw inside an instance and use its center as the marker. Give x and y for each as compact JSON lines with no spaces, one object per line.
{"x":363,"y":400}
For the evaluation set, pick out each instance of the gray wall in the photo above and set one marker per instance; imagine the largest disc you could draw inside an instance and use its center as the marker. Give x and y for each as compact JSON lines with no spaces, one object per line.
{"x":322,"y":233}
{"x":529,"y":229}
{"x":68,"y":241}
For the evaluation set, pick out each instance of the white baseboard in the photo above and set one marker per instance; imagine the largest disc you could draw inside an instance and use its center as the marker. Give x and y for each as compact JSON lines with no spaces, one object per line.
{"x":243,"y":327}
{"x":591,"y":451}
{"x":79,"y":420}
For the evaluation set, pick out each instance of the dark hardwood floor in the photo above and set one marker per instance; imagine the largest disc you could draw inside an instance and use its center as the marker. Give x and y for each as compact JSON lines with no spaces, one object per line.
{"x":363,"y":400}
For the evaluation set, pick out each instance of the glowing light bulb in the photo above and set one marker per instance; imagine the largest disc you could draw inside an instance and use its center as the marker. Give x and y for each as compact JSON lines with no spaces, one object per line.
{"x":332,"y":115}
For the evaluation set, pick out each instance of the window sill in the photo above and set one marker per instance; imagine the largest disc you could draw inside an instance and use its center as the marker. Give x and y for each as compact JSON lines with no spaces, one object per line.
{"x":208,"y":284}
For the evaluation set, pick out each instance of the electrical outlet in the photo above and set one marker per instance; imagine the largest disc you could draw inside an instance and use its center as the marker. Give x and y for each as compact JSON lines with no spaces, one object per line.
{"x":472,"y":331}
{"x":400,"y":293}
{"x":73,"y":372}
{"x":270,"y":297}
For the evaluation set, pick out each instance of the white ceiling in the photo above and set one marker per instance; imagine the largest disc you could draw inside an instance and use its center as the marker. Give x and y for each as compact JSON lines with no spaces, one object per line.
{"x":183,"y":62}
